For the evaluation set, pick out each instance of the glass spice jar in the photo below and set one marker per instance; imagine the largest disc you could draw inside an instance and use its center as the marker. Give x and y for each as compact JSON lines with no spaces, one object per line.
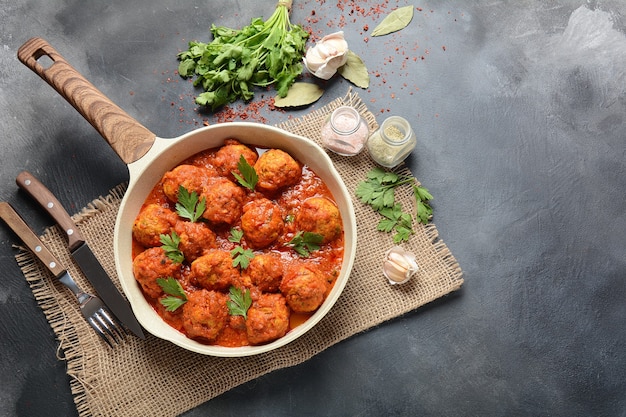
{"x":392,"y":142}
{"x":345,"y":132}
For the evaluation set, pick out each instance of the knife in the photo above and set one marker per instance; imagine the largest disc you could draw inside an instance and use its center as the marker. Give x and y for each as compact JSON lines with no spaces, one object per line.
{"x":82,"y":253}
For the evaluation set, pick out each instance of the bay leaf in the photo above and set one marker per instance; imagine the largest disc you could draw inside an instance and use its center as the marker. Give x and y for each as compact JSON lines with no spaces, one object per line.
{"x":396,"y":20}
{"x":299,"y":94}
{"x":355,"y":71}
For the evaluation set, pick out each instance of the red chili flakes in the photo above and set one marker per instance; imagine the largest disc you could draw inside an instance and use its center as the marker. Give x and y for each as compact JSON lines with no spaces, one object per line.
{"x":444,"y":48}
{"x":366,"y":28}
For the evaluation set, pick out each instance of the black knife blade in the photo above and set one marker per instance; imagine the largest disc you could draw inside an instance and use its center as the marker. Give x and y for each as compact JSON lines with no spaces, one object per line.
{"x":82,"y":253}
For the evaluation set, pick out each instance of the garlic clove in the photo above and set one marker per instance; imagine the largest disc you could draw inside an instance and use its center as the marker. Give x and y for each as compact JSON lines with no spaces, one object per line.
{"x":399,"y":265}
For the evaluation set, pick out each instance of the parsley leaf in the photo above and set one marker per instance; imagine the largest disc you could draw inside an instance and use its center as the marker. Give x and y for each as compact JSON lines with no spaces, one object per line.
{"x":235,"y":235}
{"x":424,"y":210}
{"x":306,"y":242}
{"x":248,"y":177}
{"x":170,"y":246}
{"x":241,"y":257}
{"x":188,"y":206}
{"x":176,"y":295}
{"x":239,"y":303}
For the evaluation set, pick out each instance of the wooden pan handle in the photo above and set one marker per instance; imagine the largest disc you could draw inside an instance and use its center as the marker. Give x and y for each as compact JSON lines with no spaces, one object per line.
{"x":128,"y":138}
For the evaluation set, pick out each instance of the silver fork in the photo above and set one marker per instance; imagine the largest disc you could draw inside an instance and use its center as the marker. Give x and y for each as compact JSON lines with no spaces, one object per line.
{"x":95,"y":312}
{"x":91,"y":307}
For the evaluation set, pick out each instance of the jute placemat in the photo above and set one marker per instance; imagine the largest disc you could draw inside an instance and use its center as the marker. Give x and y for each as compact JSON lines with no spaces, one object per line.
{"x":122,"y":382}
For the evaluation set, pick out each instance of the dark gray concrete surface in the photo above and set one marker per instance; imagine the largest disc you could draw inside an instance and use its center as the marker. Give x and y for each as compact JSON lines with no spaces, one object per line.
{"x":519,"y":109}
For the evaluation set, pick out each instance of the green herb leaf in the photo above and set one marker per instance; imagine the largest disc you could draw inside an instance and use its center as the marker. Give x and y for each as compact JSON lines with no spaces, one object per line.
{"x":170,"y":246}
{"x":248,"y":177}
{"x":300,"y":94}
{"x":239,"y":303}
{"x":188,"y":206}
{"x":241,"y":257}
{"x":171,"y":303}
{"x":306,"y":242}
{"x":171,"y":286}
{"x":395,"y":21}
{"x":355,"y":71}
{"x":424,"y":210}
{"x":235,"y":235}
{"x":177,"y":296}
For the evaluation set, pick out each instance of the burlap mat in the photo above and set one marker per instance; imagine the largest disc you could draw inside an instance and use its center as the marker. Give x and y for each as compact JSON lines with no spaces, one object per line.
{"x":122,"y":382}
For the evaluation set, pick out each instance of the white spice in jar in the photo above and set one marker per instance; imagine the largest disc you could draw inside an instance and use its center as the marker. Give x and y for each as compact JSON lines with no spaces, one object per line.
{"x":392,"y":142}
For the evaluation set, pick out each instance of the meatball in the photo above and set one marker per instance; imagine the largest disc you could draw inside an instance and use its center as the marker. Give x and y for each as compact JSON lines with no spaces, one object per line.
{"x":277,"y":169}
{"x":228,"y":156}
{"x":304,"y":287}
{"x":215,"y":271}
{"x":195,"y":239}
{"x":266,"y":271}
{"x":151,"y":264}
{"x":268,"y":319}
{"x":151,"y":222}
{"x":224,"y":201}
{"x":191,"y":177}
{"x":320,"y":215}
{"x":261,"y":222}
{"x":205,"y":314}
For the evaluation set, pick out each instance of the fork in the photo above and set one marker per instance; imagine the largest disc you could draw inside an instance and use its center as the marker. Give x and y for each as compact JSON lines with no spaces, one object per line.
{"x":91,"y":307}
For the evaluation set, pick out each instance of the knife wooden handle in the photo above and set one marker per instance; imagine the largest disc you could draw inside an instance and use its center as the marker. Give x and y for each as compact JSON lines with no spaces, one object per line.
{"x":19,"y":226}
{"x":29,"y":183}
{"x":128,"y":138}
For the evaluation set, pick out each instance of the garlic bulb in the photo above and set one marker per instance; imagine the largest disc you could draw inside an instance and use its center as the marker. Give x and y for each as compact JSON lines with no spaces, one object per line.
{"x":399,"y":265}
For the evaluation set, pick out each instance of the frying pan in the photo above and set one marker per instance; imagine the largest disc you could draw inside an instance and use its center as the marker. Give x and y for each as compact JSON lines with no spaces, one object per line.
{"x":148,"y":157}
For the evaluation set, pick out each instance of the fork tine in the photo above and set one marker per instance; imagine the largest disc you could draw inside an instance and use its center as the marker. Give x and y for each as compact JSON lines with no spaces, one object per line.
{"x":112,"y":325}
{"x":95,"y":324}
{"x":103,"y":321}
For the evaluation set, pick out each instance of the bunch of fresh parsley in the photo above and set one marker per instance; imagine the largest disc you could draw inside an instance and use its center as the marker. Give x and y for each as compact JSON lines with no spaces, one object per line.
{"x":378,"y":191}
{"x":260,"y":54}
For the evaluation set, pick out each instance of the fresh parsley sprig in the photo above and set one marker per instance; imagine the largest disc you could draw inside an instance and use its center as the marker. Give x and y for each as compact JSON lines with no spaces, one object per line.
{"x":241,"y":257}
{"x":306,"y":242}
{"x":169,"y":243}
{"x":176,"y":294}
{"x":239,"y":303}
{"x":378,"y":191}
{"x":189,"y":206}
{"x":259,"y":54}
{"x":396,"y":219}
{"x":248,"y":177}
{"x":424,"y":210}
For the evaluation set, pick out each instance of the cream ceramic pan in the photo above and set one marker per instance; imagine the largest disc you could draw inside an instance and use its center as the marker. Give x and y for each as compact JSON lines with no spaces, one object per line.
{"x":149,"y":157}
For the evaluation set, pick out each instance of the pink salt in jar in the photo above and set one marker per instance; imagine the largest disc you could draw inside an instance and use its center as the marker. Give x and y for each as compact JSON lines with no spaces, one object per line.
{"x":345,"y":132}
